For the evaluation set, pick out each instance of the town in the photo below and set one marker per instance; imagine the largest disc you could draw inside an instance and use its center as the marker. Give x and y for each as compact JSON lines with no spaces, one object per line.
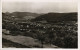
{"x":58,"y":33}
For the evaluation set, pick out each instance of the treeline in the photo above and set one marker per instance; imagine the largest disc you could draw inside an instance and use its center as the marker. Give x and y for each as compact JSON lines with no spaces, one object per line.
{"x":56,"y":17}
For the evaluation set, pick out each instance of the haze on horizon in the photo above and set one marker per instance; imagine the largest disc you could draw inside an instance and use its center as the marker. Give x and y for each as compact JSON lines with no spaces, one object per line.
{"x":39,"y":7}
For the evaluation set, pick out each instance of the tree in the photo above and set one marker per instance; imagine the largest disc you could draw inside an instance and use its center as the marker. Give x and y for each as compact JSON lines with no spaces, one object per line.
{"x":59,"y":42}
{"x":70,"y":42}
{"x":52,"y":36}
{"x":41,"y":37}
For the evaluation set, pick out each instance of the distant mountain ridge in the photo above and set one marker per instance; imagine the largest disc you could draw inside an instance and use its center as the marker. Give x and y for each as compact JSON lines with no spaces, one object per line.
{"x":21,"y":15}
{"x":50,"y":17}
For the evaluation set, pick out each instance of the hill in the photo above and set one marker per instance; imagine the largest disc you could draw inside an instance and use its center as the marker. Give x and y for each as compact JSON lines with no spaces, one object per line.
{"x":51,"y":17}
{"x":23,"y":14}
{"x":20,"y":15}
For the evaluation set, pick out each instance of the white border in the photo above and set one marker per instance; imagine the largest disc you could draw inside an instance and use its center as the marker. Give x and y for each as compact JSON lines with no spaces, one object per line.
{"x":0,"y":25}
{"x":39,"y":0}
{"x":36,"y":1}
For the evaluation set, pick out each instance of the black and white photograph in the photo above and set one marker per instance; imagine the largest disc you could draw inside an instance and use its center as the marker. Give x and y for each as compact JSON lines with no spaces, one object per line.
{"x":40,"y":24}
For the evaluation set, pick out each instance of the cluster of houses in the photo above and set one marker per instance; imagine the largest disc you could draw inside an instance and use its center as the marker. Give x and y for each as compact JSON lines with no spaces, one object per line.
{"x":40,"y":26}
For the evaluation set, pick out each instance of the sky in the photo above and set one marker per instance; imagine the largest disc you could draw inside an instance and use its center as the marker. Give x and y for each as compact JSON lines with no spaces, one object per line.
{"x":39,"y":7}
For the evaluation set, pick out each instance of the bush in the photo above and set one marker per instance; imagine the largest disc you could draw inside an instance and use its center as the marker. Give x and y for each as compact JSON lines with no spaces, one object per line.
{"x":70,"y":42}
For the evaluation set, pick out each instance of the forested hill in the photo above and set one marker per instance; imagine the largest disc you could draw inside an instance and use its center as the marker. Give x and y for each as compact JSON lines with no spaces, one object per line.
{"x":50,"y":17}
